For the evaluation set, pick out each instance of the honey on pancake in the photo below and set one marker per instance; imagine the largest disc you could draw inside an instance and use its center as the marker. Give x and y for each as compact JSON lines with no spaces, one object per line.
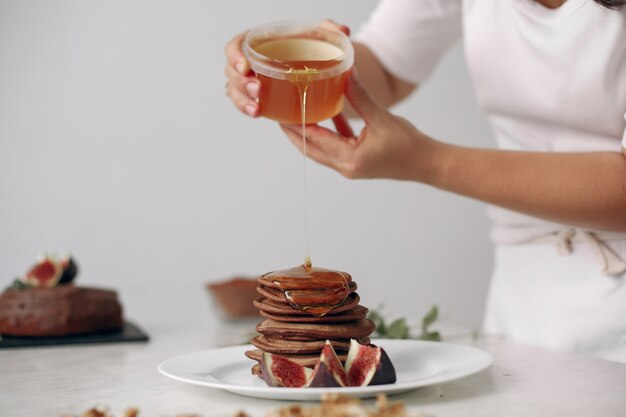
{"x":312,"y":289}
{"x":307,"y":265}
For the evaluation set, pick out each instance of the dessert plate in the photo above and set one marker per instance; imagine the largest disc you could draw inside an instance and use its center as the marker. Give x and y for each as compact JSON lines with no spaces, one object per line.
{"x":417,"y":363}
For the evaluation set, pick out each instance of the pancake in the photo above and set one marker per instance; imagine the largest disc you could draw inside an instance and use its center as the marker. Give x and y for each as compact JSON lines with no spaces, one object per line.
{"x":356,"y":313}
{"x":351,"y":330}
{"x":298,"y":347}
{"x":317,"y":297}
{"x":305,"y":360}
{"x":303,"y":338}
{"x":277,"y":307}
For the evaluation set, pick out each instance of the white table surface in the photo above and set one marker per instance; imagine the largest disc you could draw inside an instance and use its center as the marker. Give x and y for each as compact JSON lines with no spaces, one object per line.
{"x":523,"y":381}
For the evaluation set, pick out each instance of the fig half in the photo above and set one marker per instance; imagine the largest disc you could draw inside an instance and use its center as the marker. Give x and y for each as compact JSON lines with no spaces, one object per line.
{"x":328,"y":371}
{"x":278,"y":371}
{"x":45,"y":273}
{"x":368,"y":365}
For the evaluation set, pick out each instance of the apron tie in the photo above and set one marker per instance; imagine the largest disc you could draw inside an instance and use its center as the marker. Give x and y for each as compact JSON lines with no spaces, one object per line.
{"x":612,"y":263}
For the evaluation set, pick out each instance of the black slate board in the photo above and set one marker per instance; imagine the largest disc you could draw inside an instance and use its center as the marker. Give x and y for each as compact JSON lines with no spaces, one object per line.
{"x":129,"y":333}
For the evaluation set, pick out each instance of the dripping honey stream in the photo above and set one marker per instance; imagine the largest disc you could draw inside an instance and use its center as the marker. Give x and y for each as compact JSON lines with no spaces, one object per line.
{"x":302,"y":98}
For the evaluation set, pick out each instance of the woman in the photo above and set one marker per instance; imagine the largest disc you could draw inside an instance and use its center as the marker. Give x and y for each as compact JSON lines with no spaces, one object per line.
{"x":551,"y":77}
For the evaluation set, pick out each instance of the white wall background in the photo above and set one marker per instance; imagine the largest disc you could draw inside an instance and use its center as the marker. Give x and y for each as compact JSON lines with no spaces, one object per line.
{"x":117,"y":143}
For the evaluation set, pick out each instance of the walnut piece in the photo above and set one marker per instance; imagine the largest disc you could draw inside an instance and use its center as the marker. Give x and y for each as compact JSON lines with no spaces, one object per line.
{"x":332,"y":405}
{"x":340,"y":406}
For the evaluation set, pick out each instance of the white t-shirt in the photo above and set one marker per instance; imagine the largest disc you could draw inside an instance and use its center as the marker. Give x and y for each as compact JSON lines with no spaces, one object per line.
{"x":550,"y":80}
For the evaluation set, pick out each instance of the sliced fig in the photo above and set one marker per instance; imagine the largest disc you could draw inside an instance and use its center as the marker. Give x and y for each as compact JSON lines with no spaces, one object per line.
{"x":368,"y":365}
{"x":328,"y":371}
{"x":70,"y":269}
{"x":385,"y":371}
{"x":45,"y":273}
{"x":278,"y":371}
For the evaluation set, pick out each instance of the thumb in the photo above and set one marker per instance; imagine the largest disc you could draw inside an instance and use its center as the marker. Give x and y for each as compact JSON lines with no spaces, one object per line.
{"x":361,"y":101}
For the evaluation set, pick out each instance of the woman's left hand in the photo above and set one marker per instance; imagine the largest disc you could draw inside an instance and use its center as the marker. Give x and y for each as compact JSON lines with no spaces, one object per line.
{"x":586,"y":189}
{"x":388,"y":147}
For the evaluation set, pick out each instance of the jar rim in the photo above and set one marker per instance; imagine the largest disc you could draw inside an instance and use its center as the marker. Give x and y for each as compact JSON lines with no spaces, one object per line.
{"x":261,"y":63}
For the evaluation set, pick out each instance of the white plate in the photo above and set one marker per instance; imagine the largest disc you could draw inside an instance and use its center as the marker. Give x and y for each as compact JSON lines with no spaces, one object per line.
{"x":417,"y":364}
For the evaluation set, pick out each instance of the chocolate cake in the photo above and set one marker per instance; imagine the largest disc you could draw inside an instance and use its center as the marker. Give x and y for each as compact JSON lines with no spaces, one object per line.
{"x":45,"y":303}
{"x":58,"y":311}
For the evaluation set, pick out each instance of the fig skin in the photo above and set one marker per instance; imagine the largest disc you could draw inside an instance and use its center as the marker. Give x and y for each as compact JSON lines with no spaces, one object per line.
{"x":274,"y":377}
{"x":377,"y":371}
{"x":385,"y":371}
{"x":328,"y":371}
{"x":70,"y":270}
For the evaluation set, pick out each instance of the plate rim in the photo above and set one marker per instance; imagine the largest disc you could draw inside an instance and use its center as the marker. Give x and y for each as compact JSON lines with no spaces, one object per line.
{"x":312,"y":392}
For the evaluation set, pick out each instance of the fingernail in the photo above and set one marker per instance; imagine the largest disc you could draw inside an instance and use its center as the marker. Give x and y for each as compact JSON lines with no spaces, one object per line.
{"x":253,"y":89}
{"x":250,"y":110}
{"x":240,"y":67}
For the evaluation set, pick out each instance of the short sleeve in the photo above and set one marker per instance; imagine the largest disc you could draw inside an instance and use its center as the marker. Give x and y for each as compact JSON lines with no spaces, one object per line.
{"x":410,"y":36}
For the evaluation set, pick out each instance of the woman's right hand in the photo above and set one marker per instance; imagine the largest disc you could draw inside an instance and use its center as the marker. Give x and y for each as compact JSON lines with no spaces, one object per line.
{"x":241,"y":85}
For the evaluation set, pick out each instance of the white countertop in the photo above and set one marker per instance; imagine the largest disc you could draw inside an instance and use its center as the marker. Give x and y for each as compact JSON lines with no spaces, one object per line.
{"x":523,"y":381}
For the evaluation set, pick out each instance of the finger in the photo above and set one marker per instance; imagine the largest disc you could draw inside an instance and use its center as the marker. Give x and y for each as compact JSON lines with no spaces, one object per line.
{"x":361,"y":101}
{"x":312,"y":151}
{"x":332,"y":25}
{"x":342,"y":126}
{"x":249,"y":86}
{"x":242,"y":101}
{"x":235,"y":56}
{"x":322,"y":138}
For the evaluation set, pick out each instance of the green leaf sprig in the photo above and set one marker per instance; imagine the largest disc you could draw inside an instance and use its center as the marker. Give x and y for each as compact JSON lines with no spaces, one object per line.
{"x":398,"y":329}
{"x":19,"y":285}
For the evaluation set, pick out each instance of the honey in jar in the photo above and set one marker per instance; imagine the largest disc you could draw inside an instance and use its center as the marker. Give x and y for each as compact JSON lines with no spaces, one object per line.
{"x":302,"y":69}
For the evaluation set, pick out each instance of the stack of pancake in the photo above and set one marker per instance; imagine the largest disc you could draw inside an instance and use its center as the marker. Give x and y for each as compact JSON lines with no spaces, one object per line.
{"x":305,"y":306}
